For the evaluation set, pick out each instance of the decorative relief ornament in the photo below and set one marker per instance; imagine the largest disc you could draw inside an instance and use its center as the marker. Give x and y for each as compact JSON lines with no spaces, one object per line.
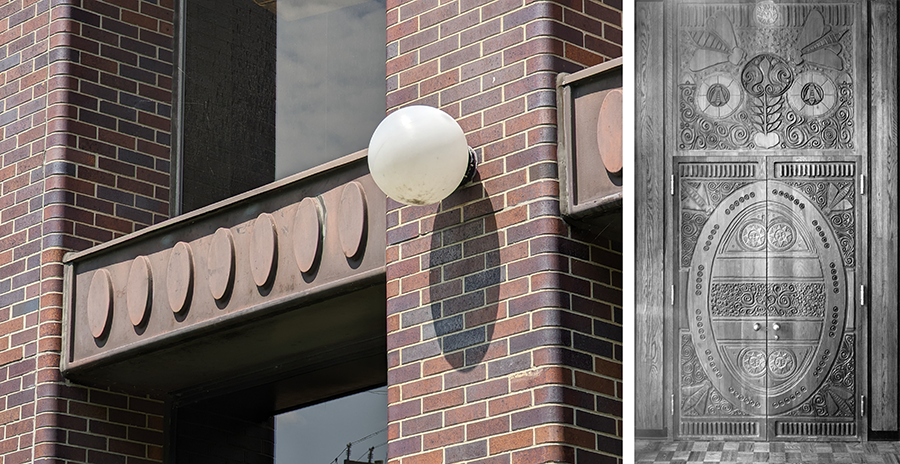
{"x":766,"y":13}
{"x":792,"y":84}
{"x":782,"y":363}
{"x":766,"y":78}
{"x":813,"y":94}
{"x":781,"y":236}
{"x":753,"y":362}
{"x":719,"y":95}
{"x":819,"y":44}
{"x":716,"y":44}
{"x":753,"y":236}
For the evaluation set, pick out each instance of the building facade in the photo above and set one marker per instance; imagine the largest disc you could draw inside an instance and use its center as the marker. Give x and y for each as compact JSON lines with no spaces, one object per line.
{"x":494,"y":323}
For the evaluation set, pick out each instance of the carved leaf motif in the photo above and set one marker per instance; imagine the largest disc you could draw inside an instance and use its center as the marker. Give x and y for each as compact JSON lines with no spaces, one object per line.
{"x":757,"y":115}
{"x":844,"y":406}
{"x":773,"y":114}
{"x":694,"y":403}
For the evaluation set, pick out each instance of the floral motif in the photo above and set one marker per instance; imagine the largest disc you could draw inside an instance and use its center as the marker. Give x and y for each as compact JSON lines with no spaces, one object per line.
{"x":781,"y":236}
{"x":753,"y":236}
{"x":753,"y":362}
{"x":782,"y":363}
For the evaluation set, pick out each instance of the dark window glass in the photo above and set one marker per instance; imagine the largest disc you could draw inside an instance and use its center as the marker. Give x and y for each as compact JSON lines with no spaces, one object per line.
{"x":269,"y":89}
{"x":319,"y":434}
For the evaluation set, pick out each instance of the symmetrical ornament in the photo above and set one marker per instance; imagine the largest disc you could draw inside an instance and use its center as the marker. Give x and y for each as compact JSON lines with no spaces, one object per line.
{"x":767,"y":255}
{"x":782,"y":363}
{"x":766,"y":87}
{"x":753,"y":362}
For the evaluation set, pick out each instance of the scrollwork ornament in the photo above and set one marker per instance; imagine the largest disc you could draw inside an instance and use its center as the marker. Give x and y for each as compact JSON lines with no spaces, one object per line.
{"x":800,"y":98}
{"x":837,"y":395}
{"x":740,"y":300}
{"x":836,"y":204}
{"x":698,"y":396}
{"x":691,"y":227}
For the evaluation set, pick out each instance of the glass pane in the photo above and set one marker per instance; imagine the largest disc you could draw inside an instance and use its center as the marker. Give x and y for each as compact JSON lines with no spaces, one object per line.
{"x":330,"y":80}
{"x":319,"y":434}
{"x":275,"y":88}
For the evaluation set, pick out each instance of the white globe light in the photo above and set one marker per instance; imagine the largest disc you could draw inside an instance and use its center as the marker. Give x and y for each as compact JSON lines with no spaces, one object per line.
{"x":418,"y":155}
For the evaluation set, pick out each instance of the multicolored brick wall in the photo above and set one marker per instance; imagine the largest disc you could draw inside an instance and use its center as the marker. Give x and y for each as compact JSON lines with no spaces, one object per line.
{"x":505,"y":336}
{"x":504,"y":322}
{"x":86,"y":91}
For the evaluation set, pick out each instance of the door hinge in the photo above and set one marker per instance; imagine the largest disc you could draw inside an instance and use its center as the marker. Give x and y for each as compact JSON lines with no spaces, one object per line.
{"x":862,"y":405}
{"x":862,"y":295}
{"x":862,"y":184}
{"x":672,"y":295}
{"x":672,"y":184}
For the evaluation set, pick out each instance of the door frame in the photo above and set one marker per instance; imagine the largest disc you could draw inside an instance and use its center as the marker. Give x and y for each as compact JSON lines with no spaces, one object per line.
{"x":671,"y":272}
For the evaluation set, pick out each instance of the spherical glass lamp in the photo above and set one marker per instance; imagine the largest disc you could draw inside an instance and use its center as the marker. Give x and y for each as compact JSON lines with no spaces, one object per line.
{"x":418,"y":155}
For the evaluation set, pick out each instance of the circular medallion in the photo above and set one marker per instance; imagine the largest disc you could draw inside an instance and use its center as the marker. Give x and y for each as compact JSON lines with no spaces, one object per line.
{"x":138,"y":294}
{"x":753,"y":362}
{"x":766,"y":13}
{"x":719,"y":95}
{"x":782,"y":363}
{"x":609,"y":131}
{"x":307,"y":235}
{"x":767,"y":75}
{"x":221,"y":263}
{"x":180,"y":276}
{"x":352,"y":219}
{"x":813,"y":94}
{"x":263,"y":249}
{"x":781,"y":236}
{"x":753,"y":236}
{"x":100,"y":303}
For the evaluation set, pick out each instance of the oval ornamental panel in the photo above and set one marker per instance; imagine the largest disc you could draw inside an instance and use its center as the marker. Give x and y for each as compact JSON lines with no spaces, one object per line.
{"x":767,"y":300}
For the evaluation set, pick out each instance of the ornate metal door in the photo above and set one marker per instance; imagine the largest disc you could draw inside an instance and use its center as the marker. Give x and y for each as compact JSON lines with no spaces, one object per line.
{"x":767,"y":168}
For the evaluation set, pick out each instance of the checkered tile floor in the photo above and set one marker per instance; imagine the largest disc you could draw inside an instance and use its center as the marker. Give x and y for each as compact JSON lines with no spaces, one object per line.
{"x":686,"y":452}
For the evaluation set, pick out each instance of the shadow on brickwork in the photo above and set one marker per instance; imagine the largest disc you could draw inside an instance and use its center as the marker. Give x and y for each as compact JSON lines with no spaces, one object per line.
{"x":463,"y":311}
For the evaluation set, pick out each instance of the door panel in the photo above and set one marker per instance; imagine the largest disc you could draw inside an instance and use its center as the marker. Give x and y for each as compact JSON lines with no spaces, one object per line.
{"x":767,"y":339}
{"x":767,"y":154}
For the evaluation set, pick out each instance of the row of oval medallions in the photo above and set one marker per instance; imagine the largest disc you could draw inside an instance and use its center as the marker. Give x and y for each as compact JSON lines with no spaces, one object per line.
{"x":307,"y":238}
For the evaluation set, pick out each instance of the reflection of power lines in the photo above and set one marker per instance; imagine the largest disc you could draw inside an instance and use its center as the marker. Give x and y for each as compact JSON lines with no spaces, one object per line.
{"x":370,"y":451}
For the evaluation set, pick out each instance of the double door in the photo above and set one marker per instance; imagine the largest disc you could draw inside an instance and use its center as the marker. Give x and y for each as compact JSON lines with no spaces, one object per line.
{"x":767,"y":161}
{"x":768,"y":285}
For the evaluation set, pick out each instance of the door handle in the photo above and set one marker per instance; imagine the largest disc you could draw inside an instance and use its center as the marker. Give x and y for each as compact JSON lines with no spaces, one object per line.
{"x":756,"y":326}
{"x":775,"y":326}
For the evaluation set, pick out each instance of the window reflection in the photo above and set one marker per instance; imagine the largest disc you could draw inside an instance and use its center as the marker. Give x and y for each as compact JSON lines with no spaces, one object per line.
{"x":319,"y":434}
{"x":272,"y":88}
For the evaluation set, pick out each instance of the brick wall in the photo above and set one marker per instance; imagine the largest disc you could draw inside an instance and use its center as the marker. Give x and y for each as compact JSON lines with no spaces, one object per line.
{"x":85,"y":89}
{"x":504,"y":323}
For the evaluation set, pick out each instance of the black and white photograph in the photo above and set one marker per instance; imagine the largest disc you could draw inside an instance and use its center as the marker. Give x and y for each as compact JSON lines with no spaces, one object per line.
{"x":766,"y":244}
